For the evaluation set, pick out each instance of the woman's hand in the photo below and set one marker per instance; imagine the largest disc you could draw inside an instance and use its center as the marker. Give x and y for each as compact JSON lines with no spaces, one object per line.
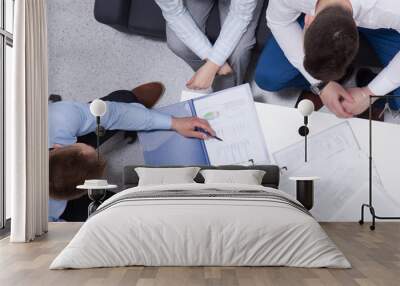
{"x":204,"y":77}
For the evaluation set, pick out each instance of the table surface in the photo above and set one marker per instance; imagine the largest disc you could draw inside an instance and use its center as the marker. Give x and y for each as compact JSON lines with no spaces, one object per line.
{"x":280,"y":127}
{"x":85,"y":187}
{"x":304,"y":178}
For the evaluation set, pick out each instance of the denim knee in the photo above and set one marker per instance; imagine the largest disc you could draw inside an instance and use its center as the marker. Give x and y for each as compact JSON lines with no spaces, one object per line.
{"x":267,"y":80}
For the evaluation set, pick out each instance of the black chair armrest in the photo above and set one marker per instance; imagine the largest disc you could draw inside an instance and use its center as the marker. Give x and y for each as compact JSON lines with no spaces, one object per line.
{"x":145,"y":18}
{"x":113,"y":12}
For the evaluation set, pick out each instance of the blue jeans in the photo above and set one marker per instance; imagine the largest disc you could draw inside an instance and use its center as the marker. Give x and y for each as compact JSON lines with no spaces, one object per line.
{"x":274,"y":72}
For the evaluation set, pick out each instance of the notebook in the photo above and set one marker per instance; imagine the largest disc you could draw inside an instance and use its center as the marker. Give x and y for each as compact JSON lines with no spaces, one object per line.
{"x":231,"y":113}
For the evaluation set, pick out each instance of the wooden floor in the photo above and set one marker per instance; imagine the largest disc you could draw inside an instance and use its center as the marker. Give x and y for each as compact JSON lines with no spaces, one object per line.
{"x":375,"y":257}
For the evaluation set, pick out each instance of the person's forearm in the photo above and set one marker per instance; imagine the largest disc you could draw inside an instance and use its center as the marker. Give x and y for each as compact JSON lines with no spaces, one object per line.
{"x":388,"y":79}
{"x":159,"y":121}
{"x":151,"y":120}
{"x":134,"y":117}
{"x":239,"y":17}
{"x":182,"y":23}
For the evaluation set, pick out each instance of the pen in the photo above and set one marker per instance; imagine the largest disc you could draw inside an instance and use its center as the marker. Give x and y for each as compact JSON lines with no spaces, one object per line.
{"x":208,"y":134}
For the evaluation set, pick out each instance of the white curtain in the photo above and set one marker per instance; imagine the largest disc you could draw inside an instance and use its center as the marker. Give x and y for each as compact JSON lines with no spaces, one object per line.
{"x":26,"y":123}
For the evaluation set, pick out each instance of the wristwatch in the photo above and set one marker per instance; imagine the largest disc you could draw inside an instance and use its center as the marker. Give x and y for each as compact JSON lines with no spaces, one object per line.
{"x":318,"y":87}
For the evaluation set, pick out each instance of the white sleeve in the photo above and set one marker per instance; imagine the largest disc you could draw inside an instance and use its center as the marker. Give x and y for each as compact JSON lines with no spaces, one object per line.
{"x":241,"y":13}
{"x":282,"y":20}
{"x":182,"y":23}
{"x":388,"y":79}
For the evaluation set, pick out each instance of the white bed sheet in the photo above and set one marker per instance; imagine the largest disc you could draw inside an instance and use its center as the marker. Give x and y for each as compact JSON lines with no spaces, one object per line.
{"x":200,"y":232}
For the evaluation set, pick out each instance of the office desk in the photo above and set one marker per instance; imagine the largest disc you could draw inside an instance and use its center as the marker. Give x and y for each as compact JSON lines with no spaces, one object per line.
{"x":280,"y":127}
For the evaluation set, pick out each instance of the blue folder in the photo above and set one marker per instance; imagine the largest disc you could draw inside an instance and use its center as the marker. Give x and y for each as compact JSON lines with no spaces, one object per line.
{"x":234,"y":106}
{"x":165,"y":147}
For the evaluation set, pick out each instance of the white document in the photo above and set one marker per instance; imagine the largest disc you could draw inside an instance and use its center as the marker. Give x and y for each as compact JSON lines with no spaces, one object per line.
{"x":342,"y":166}
{"x":280,"y":126}
{"x":190,"y":94}
{"x":231,"y":113}
{"x":323,"y":145}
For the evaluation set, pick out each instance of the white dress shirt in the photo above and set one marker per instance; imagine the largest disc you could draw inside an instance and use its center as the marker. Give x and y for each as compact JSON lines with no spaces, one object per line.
{"x":282,"y":18}
{"x":236,"y":23}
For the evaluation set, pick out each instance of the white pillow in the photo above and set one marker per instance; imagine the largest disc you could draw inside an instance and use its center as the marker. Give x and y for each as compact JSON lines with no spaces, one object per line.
{"x":166,"y":176}
{"x":247,"y":177}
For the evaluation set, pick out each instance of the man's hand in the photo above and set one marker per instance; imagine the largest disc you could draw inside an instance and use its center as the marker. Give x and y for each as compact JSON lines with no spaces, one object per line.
{"x":225,"y":69}
{"x":187,"y":127}
{"x":361,"y":100}
{"x":333,"y":96}
{"x":204,"y":76}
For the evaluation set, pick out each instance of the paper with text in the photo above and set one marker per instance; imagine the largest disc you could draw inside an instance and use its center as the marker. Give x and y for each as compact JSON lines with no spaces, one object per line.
{"x":336,"y":158}
{"x":231,"y":113}
{"x":324,"y":145}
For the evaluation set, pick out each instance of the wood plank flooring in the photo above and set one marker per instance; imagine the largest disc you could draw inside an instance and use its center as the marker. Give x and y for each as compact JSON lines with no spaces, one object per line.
{"x":375,"y":257}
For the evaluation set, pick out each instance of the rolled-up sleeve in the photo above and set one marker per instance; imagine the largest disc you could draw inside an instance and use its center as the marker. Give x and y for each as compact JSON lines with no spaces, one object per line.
{"x":134,"y":117}
{"x":388,"y":79}
{"x":241,"y":12}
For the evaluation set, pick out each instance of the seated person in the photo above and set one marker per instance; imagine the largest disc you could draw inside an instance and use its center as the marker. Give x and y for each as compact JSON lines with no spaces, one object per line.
{"x":315,"y":52}
{"x":222,"y":64}
{"x":72,"y":141}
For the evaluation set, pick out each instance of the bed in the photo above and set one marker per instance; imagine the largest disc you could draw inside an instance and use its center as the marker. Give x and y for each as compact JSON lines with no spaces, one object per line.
{"x":198,"y":224}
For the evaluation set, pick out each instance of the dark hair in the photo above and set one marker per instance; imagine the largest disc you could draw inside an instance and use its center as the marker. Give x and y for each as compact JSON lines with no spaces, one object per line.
{"x":330,"y":44}
{"x":68,"y":168}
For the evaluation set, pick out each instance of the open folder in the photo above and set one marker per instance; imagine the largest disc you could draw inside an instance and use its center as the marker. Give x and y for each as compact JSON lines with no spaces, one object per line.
{"x":231,"y":113}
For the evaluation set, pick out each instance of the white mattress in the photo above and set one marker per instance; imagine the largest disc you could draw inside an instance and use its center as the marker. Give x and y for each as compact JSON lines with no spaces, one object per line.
{"x":206,"y":231}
